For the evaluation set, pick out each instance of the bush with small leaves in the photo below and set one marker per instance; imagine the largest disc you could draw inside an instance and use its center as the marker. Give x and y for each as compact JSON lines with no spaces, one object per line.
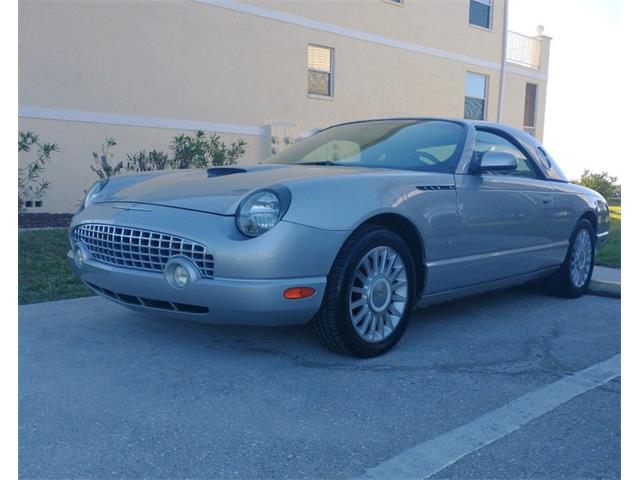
{"x":602,"y":182}
{"x":144,"y":161}
{"x":186,"y":151}
{"x":103,"y":167}
{"x":202,"y":151}
{"x":30,"y":186}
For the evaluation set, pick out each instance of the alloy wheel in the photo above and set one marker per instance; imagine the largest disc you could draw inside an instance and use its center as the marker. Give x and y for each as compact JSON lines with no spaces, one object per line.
{"x":378,"y":294}
{"x":581,"y":258}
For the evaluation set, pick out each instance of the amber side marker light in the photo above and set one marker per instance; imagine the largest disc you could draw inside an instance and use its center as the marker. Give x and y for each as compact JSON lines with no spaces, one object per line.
{"x":296,"y":293}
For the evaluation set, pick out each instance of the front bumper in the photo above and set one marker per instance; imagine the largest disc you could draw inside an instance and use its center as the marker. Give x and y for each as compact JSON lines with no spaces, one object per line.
{"x":220,"y":300}
{"x":601,"y":240}
{"x":250,"y":275}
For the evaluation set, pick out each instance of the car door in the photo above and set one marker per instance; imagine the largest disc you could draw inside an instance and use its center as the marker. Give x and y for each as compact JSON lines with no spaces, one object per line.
{"x":506,"y":219}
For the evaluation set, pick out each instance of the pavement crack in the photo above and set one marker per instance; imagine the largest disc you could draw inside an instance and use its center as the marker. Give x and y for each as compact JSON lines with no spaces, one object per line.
{"x":504,"y":367}
{"x":537,"y":358}
{"x":301,"y":362}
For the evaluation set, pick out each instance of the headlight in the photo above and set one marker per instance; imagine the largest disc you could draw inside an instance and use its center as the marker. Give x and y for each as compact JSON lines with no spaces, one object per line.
{"x":94,"y":191}
{"x":262,"y":210}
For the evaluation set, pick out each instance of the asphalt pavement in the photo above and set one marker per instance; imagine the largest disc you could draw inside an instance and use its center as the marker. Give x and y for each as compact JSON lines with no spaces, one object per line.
{"x":110,"y":393}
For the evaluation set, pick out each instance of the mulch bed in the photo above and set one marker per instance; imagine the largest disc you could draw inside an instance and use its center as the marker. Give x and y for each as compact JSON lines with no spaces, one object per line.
{"x":44,"y":220}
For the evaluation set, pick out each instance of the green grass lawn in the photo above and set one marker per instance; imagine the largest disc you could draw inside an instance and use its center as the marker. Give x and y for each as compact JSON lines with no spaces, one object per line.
{"x":609,"y":256}
{"x":43,"y":271}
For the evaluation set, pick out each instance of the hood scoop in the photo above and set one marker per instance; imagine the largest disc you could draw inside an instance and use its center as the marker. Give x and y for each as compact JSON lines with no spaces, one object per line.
{"x":221,"y":171}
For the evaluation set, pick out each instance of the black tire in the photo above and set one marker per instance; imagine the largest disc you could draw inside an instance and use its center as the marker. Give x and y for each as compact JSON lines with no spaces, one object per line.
{"x":561,"y":283}
{"x":333,"y":325}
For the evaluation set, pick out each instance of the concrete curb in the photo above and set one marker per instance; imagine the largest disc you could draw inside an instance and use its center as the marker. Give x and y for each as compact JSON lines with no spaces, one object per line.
{"x":605,"y":282}
{"x":604,"y":289}
{"x":30,"y":229}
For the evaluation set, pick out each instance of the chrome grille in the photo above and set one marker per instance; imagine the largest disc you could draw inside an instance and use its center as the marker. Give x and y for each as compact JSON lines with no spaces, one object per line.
{"x":140,"y":249}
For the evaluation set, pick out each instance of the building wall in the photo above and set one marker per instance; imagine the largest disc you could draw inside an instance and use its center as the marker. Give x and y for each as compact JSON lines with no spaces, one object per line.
{"x":440,"y":24}
{"x":70,"y":173}
{"x":513,"y":114}
{"x":142,"y":72}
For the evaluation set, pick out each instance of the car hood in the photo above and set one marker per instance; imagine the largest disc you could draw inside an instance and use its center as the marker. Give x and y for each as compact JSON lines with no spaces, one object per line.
{"x":217,"y":190}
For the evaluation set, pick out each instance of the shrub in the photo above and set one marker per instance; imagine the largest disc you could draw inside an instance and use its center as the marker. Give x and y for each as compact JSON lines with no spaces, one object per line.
{"x":602,"y":182}
{"x":202,"y":151}
{"x":30,"y":186}
{"x":186,"y":151}
{"x":102,"y":167}
{"x":147,"y":161}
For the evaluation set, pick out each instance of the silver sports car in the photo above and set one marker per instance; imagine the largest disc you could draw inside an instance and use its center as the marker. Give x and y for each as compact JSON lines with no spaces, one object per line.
{"x":351,"y":228}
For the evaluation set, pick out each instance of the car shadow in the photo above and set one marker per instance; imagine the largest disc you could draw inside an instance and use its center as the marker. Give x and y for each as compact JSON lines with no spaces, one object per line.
{"x":298,"y":343}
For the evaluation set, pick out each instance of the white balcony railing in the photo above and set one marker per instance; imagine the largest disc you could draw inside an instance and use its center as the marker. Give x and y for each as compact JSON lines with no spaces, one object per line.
{"x":523,"y":50}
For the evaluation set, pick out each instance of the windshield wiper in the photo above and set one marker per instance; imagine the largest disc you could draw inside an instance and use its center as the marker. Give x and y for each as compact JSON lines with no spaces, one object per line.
{"x":323,"y":162}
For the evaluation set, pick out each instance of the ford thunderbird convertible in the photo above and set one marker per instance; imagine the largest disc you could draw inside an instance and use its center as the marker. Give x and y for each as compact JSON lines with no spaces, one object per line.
{"x":351,"y":229}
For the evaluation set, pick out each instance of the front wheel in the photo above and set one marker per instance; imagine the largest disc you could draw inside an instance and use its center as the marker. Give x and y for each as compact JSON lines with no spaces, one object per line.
{"x":369,"y":294}
{"x":573,"y":278}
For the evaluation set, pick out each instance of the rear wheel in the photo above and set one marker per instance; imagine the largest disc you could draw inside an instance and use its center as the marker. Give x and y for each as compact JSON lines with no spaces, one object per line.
{"x":369,"y":294}
{"x":573,"y":278}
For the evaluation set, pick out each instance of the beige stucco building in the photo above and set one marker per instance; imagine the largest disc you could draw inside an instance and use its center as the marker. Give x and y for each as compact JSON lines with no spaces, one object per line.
{"x":269,"y":71}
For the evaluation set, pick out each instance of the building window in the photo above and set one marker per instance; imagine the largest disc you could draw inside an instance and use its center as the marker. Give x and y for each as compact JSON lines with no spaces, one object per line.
{"x":480,"y":13}
{"x":475,"y":96}
{"x":320,"y":65}
{"x":530,"y":100}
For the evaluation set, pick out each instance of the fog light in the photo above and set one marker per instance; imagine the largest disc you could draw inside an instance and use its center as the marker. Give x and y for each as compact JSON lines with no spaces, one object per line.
{"x":180,"y":276}
{"x":179,"y":271}
{"x":78,"y":256}
{"x":297,"y":293}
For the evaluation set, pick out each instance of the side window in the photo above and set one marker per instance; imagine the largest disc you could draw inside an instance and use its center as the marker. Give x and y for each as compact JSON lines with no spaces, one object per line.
{"x":490,"y":142}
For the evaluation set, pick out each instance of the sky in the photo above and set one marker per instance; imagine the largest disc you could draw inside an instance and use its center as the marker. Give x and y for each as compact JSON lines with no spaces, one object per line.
{"x":585,"y":96}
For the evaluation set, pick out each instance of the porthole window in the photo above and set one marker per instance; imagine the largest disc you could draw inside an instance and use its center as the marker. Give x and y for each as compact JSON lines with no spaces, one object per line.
{"x":547,"y":161}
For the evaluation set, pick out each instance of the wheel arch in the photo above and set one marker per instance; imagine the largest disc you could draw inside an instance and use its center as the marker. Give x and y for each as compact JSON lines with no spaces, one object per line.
{"x":592,"y":218}
{"x":408,"y":231}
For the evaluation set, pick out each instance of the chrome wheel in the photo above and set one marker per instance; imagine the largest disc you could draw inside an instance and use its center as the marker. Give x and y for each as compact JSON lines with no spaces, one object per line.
{"x":378,"y":295}
{"x":581,"y":258}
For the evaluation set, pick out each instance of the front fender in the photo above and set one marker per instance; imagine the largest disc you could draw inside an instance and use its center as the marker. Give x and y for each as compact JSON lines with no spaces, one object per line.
{"x":347,"y":202}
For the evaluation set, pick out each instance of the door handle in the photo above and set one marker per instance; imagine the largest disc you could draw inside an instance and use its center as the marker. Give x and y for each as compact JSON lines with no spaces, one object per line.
{"x":547,"y":200}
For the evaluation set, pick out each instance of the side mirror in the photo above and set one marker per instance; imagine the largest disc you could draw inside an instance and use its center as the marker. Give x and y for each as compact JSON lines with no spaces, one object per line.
{"x":497,"y":162}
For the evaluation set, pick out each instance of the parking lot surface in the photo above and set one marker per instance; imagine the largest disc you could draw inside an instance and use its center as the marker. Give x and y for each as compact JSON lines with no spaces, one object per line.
{"x":109,"y":393}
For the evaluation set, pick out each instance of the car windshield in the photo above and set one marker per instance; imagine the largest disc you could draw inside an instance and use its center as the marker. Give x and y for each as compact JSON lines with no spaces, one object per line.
{"x":424,"y":145}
